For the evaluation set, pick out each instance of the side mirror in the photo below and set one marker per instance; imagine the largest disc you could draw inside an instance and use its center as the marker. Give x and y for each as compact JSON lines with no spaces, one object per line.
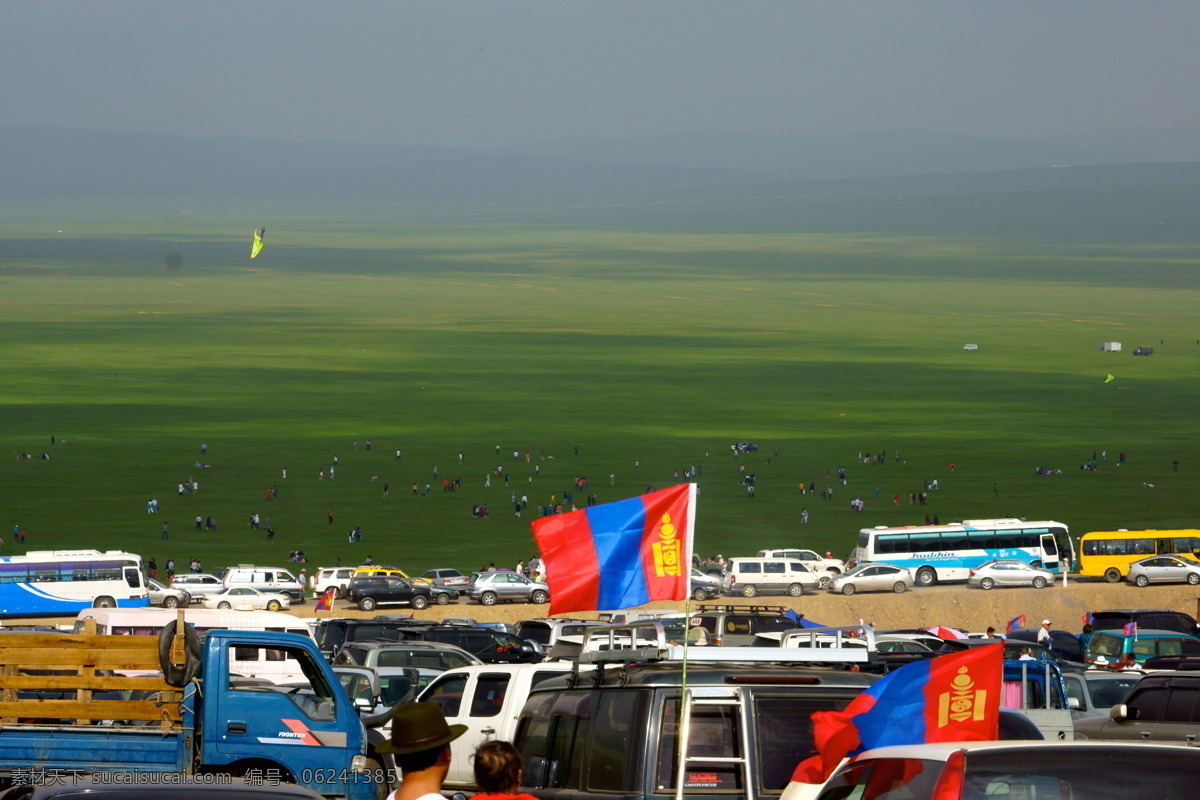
{"x":1119,"y":713}
{"x":1073,"y":702}
{"x":364,"y":702}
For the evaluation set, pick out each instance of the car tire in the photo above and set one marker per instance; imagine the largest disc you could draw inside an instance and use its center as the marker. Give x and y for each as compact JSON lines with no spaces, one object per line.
{"x":488,"y":598}
{"x":366,"y":604}
{"x":419,"y":601}
{"x":899,"y":587}
{"x":273,"y":605}
{"x":1112,"y":575}
{"x":1142,"y":580}
{"x":795,"y":590}
{"x":926,"y":576}
{"x":824,"y":581}
{"x":171,"y":602}
{"x":749,"y":590}
{"x":443,"y":599}
{"x":1193,"y":578}
{"x":539,"y":597}
{"x":848,"y":589}
{"x":224,"y":605}
{"x":699,"y":595}
{"x":340,"y":593}
{"x":1039,"y":582}
{"x":986,"y":583}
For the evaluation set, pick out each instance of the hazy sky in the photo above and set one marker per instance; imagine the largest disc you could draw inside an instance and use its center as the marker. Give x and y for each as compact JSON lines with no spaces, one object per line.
{"x":480,"y":74}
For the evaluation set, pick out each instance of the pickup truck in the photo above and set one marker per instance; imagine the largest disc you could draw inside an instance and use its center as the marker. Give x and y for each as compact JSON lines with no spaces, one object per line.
{"x":176,"y":707}
{"x":488,"y":700}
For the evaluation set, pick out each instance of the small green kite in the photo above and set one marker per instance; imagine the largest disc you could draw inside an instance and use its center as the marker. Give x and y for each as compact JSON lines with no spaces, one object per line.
{"x":1109,"y":379}
{"x":258,"y":244}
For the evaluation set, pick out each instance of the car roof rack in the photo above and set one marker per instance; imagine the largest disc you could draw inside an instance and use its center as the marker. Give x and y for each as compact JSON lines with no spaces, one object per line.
{"x":711,"y":608}
{"x":647,"y":640}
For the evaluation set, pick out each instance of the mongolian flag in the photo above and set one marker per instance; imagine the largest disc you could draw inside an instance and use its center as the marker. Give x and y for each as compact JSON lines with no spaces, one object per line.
{"x":326,"y":601}
{"x":619,"y":555}
{"x":1129,"y":629}
{"x":1015,"y":623}
{"x":951,"y":698}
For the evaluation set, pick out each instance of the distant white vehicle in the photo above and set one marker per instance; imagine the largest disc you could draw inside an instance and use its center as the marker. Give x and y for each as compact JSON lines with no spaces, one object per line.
{"x":873,"y":578}
{"x":167,"y":596}
{"x":243,"y":598}
{"x":809,"y":558}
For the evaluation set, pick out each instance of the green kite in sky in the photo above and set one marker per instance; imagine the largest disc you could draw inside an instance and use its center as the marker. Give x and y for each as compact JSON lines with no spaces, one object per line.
{"x":257,"y":247}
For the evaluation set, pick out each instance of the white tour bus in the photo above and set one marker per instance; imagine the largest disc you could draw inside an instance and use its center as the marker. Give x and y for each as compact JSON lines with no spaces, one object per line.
{"x":269,"y":665}
{"x":949,"y":552}
{"x":45,"y":582}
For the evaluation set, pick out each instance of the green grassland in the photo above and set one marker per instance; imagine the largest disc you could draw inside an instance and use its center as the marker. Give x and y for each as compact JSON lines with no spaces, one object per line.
{"x":134,"y":337}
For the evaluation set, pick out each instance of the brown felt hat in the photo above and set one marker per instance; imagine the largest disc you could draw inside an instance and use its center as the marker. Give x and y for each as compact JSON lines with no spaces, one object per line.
{"x":420,"y":726}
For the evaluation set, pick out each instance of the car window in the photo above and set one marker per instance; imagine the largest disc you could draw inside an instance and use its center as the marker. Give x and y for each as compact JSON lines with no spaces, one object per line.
{"x":884,"y":779}
{"x":774,"y":568}
{"x":715,"y":733}
{"x":737,"y":625}
{"x":785,"y":735}
{"x":1181,"y":706}
{"x":447,"y":693}
{"x":750,"y":567}
{"x":1146,"y":705}
{"x":489,"y":695}
{"x":615,"y":764}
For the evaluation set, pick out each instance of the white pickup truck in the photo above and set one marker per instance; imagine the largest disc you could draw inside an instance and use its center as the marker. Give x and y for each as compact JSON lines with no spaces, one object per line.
{"x":487,"y":699}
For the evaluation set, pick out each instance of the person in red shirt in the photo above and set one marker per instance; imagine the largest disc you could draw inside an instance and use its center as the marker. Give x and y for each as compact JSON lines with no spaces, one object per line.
{"x":498,"y":772}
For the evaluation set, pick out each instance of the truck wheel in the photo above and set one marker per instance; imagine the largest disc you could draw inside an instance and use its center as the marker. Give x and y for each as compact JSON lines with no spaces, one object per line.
{"x":1112,"y":575}
{"x":1142,"y":580}
{"x":171,"y":602}
{"x":795,"y":590}
{"x":749,"y":590}
{"x":443,"y":599}
{"x":1039,"y":582}
{"x":419,"y":601}
{"x":986,"y":583}
{"x":926,"y":576}
{"x":173,"y":675}
{"x":104,"y":602}
{"x":848,"y":588}
{"x":224,"y":605}
{"x":272,"y":605}
{"x":538,"y":597}
{"x":375,"y":771}
{"x":366,"y":604}
{"x":488,"y":598}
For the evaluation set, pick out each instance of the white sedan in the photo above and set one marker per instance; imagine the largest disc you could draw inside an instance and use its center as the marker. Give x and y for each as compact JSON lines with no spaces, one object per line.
{"x":873,"y":578}
{"x":243,"y":598}
{"x":1007,"y":572}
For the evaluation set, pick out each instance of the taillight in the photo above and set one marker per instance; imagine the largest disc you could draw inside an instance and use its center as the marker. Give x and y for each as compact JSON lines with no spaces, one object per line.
{"x":949,"y":784}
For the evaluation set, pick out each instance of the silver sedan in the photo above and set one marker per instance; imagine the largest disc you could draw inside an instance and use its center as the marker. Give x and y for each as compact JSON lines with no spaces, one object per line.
{"x":1006,"y":572}
{"x":1164,"y":569}
{"x":872,"y":578}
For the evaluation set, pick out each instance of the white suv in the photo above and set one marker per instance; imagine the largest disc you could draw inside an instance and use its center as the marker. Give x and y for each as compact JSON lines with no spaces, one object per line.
{"x":750,"y":577}
{"x":809,"y":558}
{"x":332,"y":577}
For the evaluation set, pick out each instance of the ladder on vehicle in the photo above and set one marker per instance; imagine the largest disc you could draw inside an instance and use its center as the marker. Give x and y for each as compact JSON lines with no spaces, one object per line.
{"x":713,"y":697}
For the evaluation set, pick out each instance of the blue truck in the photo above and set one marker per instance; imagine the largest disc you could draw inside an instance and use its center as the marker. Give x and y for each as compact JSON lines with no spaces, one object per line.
{"x":85,"y":703}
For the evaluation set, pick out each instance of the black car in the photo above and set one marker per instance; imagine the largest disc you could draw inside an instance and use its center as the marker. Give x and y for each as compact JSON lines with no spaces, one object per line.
{"x":331,"y":634}
{"x":1157,"y":618}
{"x":370,"y":592}
{"x":1064,"y":644}
{"x":488,"y":645}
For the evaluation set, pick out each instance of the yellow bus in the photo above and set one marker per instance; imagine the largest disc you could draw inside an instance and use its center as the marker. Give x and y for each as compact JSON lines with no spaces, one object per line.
{"x":1109,"y":553}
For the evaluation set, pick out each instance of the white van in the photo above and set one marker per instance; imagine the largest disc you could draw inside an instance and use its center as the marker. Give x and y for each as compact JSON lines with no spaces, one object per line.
{"x":265,"y":579}
{"x":270,"y":665}
{"x":750,"y":577}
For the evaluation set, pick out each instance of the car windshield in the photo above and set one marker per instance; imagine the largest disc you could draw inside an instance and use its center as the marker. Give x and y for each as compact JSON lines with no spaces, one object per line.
{"x":850,"y":573}
{"x":1100,"y":774}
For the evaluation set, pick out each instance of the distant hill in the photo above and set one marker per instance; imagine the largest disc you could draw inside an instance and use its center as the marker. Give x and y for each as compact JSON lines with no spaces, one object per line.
{"x":55,"y":164}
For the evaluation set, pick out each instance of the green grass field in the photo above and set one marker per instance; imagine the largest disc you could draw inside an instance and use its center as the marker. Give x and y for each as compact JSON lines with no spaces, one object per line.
{"x":134,"y":337}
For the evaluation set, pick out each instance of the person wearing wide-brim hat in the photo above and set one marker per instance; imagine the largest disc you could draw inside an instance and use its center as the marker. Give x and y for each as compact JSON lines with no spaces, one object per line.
{"x":420,"y":744}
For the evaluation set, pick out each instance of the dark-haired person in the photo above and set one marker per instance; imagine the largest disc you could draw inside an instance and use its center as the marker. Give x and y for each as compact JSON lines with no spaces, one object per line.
{"x":498,"y":772}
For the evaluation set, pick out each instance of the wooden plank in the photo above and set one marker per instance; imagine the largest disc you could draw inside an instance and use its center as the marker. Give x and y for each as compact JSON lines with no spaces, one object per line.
{"x":72,"y":640}
{"x":102,"y":657}
{"x":99,"y":683}
{"x":139,"y":710}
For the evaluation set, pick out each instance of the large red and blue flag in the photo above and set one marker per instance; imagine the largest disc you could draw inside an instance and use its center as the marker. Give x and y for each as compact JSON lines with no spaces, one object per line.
{"x":619,"y":555}
{"x":951,"y":698}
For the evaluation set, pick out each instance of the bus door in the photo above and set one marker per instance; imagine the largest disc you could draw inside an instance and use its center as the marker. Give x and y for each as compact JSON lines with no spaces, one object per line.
{"x":1049,"y":550}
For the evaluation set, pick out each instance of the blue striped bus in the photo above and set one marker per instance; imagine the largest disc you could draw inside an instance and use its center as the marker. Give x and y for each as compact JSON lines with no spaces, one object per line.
{"x":936,"y":553}
{"x":45,"y":582}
